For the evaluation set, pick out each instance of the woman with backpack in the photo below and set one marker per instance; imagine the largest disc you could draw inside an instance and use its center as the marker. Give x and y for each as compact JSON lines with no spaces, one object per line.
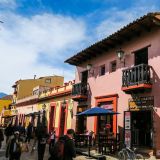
{"x":64,"y":148}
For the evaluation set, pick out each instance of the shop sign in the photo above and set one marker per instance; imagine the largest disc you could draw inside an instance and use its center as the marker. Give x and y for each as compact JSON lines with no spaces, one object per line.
{"x":127,"y":120}
{"x":127,"y":128}
{"x":141,"y":103}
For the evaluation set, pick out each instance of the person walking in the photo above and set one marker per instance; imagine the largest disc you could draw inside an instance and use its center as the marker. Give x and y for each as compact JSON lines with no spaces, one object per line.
{"x":21,"y":129}
{"x":8,"y":132}
{"x":69,"y":146}
{"x":13,"y":150}
{"x":52,"y":139}
{"x":29,"y":132}
{"x":64,"y":148}
{"x":1,"y":137}
{"x":42,"y":137}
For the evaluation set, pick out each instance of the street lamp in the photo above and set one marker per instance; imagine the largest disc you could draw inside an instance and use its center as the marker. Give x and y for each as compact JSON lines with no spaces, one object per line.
{"x":64,"y":104}
{"x":44,"y":107}
{"x":90,"y":69}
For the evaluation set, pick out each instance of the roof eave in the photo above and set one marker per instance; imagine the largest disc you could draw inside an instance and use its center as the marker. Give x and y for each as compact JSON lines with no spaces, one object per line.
{"x":111,"y":41}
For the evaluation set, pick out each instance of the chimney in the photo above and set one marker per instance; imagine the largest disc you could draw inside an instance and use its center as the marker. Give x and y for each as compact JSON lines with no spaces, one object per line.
{"x":34,"y":76}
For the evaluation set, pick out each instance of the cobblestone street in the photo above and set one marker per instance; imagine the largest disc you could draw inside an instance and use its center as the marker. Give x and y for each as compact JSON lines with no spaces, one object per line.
{"x":33,"y":155}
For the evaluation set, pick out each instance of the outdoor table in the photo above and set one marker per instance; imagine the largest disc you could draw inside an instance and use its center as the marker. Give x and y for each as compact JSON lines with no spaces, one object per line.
{"x":84,"y":140}
{"x":110,"y":143}
{"x":81,"y":140}
{"x":105,"y":142}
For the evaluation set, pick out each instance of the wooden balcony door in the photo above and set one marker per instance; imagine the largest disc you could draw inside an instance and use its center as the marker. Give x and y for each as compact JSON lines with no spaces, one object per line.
{"x":84,"y":78}
{"x":141,"y":56}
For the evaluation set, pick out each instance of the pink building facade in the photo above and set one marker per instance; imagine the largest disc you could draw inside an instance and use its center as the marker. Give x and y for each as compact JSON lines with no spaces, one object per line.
{"x":128,"y":83}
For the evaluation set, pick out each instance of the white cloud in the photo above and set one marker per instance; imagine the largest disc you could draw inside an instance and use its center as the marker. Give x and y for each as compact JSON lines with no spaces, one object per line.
{"x":11,"y":4}
{"x":22,"y":40}
{"x":117,"y":18}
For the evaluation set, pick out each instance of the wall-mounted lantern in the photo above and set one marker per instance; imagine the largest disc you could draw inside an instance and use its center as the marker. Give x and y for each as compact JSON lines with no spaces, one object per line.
{"x":90,"y":69}
{"x":120,"y":54}
{"x":64,"y":104}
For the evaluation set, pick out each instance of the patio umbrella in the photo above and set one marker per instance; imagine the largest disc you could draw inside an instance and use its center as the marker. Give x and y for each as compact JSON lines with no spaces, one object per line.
{"x":97,"y":111}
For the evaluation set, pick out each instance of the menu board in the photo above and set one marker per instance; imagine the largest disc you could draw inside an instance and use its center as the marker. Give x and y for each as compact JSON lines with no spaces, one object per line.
{"x":127,"y":127}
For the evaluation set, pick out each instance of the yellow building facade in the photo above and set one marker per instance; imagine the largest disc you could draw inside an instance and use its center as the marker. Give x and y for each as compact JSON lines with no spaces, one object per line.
{"x":59,"y":107}
{"x":5,"y":102}
{"x":24,"y":88}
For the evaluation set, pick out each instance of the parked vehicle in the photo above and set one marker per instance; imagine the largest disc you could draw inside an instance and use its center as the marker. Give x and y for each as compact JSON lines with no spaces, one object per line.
{"x":129,"y":154}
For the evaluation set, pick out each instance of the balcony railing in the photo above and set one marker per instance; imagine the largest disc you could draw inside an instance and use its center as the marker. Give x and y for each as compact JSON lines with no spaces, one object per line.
{"x":80,"y":89}
{"x":140,"y":74}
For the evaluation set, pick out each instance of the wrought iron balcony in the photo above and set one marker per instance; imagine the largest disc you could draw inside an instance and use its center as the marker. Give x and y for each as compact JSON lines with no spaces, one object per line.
{"x":80,"y":91}
{"x":136,"y":78}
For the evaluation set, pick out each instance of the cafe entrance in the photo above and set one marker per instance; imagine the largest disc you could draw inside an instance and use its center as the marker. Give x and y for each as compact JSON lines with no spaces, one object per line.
{"x":81,"y":121}
{"x":138,"y":122}
{"x":141,"y":128}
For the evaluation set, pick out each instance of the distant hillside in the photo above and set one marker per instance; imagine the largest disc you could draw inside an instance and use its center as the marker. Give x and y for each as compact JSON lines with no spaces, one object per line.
{"x":2,"y":94}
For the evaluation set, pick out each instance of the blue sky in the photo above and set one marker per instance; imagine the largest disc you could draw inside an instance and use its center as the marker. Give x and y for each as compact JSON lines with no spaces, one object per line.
{"x":38,"y":35}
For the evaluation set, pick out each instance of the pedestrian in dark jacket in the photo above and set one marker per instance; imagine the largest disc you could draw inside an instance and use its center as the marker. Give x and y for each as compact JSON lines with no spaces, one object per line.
{"x":64,"y":148}
{"x":1,"y":137}
{"x":9,"y":130}
{"x":52,"y":139}
{"x":20,"y":129}
{"x":69,"y":146}
{"x":14,"y":147}
{"x":42,"y":137}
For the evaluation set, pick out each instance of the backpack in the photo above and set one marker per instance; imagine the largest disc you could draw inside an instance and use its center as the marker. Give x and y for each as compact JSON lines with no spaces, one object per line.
{"x":57,"y":152}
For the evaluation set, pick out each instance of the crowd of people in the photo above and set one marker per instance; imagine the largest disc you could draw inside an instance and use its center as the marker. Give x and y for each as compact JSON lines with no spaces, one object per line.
{"x":18,"y":137}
